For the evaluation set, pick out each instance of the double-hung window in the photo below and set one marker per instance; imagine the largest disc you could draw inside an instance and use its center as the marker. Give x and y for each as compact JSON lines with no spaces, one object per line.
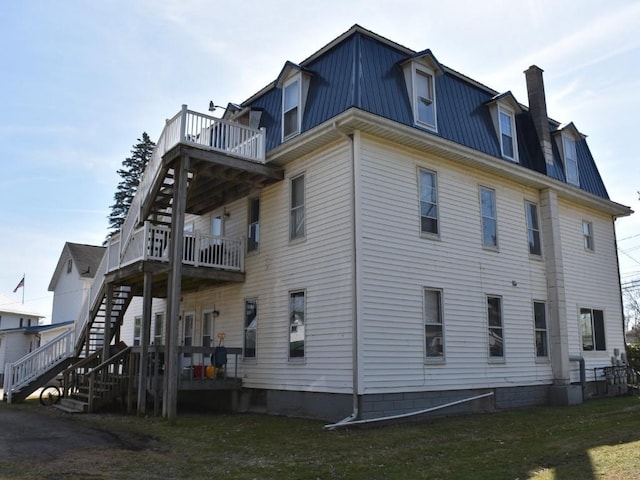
{"x":253,"y":235}
{"x":507,"y":134}
{"x":533,"y":228}
{"x":540,"y":325}
{"x":158,"y":329}
{"x":250,"y":328}
{"x":425,"y":98}
{"x":489,"y":217}
{"x":428,"y":203}
{"x":570,"y":160}
{"x":592,"y":325}
{"x":187,"y":332}
{"x":137,"y":329}
{"x":496,"y":337}
{"x":297,"y":215}
{"x":587,"y":235}
{"x":297,"y":322}
{"x":434,"y":345}
{"x":208,"y":326}
{"x":291,"y":109}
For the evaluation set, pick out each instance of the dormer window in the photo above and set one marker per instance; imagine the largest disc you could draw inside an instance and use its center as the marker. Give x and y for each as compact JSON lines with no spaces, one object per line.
{"x":503,"y":109}
{"x":570,"y":160}
{"x":294,"y":82}
{"x":420,"y":73}
{"x":507,"y":134}
{"x":566,"y":138}
{"x":425,"y":98}
{"x":290,"y":108}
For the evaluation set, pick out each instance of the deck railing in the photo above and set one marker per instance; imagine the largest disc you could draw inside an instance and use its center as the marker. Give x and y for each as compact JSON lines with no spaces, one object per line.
{"x":152,"y":243}
{"x":41,"y":360}
{"x":203,"y":131}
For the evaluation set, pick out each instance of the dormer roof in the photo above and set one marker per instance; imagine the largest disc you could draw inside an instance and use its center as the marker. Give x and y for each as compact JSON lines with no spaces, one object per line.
{"x":506,"y":98}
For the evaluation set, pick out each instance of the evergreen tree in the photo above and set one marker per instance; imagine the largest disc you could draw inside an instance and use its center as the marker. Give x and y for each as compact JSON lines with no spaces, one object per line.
{"x":131,"y":173}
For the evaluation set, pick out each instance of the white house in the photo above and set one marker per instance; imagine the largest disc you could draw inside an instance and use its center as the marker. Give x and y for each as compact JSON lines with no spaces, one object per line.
{"x":72,"y":278}
{"x":19,"y":331}
{"x":375,"y":234}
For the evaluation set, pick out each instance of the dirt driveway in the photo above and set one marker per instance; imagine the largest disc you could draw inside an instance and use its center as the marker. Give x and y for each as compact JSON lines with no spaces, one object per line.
{"x":39,"y":434}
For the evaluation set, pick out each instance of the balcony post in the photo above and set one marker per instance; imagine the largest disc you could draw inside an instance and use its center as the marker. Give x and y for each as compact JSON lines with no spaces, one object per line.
{"x":170,"y":403}
{"x":183,"y":123}
{"x":261,"y":144}
{"x":144,"y":337}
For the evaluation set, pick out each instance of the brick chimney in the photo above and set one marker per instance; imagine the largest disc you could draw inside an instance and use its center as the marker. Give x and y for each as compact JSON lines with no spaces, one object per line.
{"x":538,"y":110}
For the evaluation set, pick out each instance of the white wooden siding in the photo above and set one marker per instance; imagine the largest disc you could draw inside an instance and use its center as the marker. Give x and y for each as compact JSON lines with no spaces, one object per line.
{"x":158,"y":305}
{"x":591,"y":281}
{"x":398,"y":262}
{"x":321,"y":264}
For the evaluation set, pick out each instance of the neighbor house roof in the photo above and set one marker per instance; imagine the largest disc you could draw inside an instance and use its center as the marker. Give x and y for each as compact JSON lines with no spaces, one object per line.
{"x":11,"y":306}
{"x":86,"y":259}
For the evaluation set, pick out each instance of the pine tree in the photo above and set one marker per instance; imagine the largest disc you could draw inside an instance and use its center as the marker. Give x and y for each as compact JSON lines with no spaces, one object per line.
{"x":131,"y":173}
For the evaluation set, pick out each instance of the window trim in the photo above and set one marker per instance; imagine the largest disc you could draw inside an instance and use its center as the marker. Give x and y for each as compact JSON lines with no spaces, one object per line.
{"x":434,"y":358}
{"x":418,"y":69}
{"x":545,"y":330}
{"x":423,"y":233}
{"x":212,"y":320}
{"x":564,"y":138}
{"x":253,"y":247}
{"x":192,"y":314}
{"x":303,"y":358}
{"x":303,"y":235}
{"x":253,"y":357}
{"x":495,"y":247}
{"x":137,"y":325}
{"x":502,"y":109}
{"x":588,"y":237}
{"x":533,"y":229}
{"x":157,"y":315}
{"x":294,"y":79}
{"x":495,"y":358}
{"x":594,"y":330}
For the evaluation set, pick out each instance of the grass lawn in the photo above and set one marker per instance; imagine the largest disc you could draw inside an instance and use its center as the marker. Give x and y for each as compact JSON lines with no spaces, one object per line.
{"x":597,"y":440}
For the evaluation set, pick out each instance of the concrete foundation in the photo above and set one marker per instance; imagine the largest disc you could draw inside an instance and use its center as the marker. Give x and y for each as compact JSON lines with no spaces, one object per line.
{"x":565,"y":395}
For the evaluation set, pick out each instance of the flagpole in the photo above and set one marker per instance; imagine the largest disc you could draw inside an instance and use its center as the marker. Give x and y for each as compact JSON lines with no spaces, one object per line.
{"x":24,"y":276}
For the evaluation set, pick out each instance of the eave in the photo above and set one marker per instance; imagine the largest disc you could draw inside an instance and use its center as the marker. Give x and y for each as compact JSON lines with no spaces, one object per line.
{"x":408,"y":137}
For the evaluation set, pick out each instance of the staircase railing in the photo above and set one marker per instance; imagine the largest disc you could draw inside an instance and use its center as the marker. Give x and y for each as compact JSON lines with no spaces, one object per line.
{"x":19,"y":374}
{"x":90,"y":301}
{"x":197,"y":129}
{"x":109,"y":379}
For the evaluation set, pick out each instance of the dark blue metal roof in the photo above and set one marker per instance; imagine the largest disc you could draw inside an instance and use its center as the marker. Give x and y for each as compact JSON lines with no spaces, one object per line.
{"x":364,"y":72}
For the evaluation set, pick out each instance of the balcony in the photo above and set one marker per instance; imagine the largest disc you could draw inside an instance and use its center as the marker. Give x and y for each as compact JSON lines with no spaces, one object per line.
{"x":205,"y":258}
{"x":225,"y":161}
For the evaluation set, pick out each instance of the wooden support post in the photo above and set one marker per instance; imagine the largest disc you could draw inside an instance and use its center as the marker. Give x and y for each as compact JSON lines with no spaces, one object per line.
{"x":145,"y":337}
{"x":170,"y":408}
{"x":107,"y":322}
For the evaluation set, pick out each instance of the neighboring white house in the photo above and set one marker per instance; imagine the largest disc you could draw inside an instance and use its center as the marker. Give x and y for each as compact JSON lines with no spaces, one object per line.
{"x":74,"y":273}
{"x":19,"y":331}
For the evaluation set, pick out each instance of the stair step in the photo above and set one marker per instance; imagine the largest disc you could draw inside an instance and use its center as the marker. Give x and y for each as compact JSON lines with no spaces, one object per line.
{"x":71,"y":405}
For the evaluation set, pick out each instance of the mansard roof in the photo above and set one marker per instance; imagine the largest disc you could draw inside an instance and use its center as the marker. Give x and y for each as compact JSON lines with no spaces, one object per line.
{"x":363,"y":70}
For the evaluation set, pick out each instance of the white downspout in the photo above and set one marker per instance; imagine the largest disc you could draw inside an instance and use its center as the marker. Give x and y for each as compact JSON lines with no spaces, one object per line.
{"x":342,"y":423}
{"x":355,"y":198}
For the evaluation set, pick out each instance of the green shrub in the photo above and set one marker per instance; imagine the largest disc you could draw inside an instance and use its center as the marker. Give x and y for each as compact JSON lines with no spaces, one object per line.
{"x":633,"y":355}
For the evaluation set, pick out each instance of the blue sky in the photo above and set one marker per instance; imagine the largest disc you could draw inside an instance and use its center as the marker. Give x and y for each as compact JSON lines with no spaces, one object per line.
{"x":82,"y":80}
